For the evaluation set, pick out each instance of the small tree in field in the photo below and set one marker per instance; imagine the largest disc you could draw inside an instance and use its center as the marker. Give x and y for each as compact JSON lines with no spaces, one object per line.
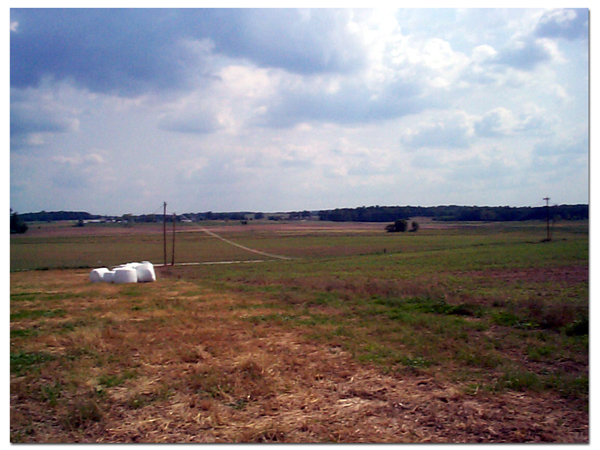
{"x":414,"y":227}
{"x":399,"y":225}
{"x":16,"y":224}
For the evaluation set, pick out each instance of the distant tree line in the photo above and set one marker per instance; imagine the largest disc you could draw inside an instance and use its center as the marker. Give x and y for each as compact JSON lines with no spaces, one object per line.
{"x":361,"y":214}
{"x":54,"y":216}
{"x":81,"y":217}
{"x":455,"y":213}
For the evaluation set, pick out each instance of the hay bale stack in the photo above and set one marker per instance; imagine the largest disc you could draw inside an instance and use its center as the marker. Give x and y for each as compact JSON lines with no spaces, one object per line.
{"x":97,"y":274}
{"x":125,"y":275}
{"x":134,"y":272}
{"x":145,"y":272}
{"x":109,"y":277}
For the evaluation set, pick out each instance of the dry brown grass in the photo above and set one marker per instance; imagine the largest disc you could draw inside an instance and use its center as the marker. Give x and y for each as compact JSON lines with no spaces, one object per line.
{"x":175,"y":362}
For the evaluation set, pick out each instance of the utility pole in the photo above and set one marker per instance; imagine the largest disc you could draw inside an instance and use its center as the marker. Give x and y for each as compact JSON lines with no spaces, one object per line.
{"x":547,"y":218}
{"x":173,"y":256}
{"x":165,"y":231}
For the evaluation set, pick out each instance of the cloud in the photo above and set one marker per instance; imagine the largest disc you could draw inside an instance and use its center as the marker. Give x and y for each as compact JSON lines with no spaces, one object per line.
{"x":564,"y":23}
{"x":534,"y":40}
{"x":498,"y":122}
{"x":503,"y":122}
{"x":527,"y":54}
{"x":76,"y":172}
{"x":196,"y":119}
{"x":27,"y":119}
{"x":34,"y":117}
{"x":130,"y":52}
{"x":454,"y":130}
{"x":304,"y":42}
{"x":346,"y":102}
{"x":575,"y":144}
{"x":123,"y":51}
{"x":459,"y":130}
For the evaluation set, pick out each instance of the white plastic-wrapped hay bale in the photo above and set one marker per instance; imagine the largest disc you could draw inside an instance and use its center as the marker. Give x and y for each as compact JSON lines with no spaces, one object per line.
{"x":109,"y":277}
{"x":97,"y":275}
{"x":125,"y":275}
{"x":145,"y":272}
{"x":130,"y":265}
{"x":133,"y":272}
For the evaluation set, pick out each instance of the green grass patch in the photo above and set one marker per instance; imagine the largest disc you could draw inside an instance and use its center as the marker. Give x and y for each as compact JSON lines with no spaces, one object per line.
{"x":22,"y":362}
{"x":37,"y":313}
{"x":112,"y":380}
{"x":24,"y":332}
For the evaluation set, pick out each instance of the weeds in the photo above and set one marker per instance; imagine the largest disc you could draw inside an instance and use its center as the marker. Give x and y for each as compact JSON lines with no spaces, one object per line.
{"x":37,"y":313}
{"x":51,"y":393}
{"x":579,"y":327}
{"x":81,"y":413}
{"x":118,"y":379}
{"x":22,"y":362}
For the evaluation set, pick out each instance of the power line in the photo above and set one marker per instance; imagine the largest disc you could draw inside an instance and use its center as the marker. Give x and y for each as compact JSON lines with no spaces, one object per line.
{"x":547,"y":218}
{"x":165,"y":231}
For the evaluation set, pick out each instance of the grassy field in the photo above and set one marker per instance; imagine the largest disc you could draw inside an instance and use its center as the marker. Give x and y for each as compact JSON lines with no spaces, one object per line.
{"x":456,"y":333}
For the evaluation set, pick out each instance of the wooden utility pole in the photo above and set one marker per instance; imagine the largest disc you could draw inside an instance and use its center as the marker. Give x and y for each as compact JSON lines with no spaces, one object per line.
{"x":173,"y":255}
{"x":165,"y":231}
{"x":547,"y":218}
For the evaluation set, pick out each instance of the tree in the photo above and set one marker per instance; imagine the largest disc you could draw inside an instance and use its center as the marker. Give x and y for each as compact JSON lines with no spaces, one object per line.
{"x":16,"y":224}
{"x":399,"y":225}
{"x":414,"y":227}
{"x":127,"y":220}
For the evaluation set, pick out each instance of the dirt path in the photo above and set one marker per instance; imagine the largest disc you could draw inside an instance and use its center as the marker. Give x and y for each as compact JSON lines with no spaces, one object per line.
{"x":252,"y":250}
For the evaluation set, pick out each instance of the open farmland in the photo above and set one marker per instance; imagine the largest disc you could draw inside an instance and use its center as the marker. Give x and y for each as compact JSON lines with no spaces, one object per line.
{"x":456,"y":333}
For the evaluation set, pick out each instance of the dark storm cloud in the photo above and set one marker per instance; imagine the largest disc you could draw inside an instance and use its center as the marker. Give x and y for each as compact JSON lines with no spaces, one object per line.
{"x":299,"y":41}
{"x":132,"y":51}
{"x":117,"y":51}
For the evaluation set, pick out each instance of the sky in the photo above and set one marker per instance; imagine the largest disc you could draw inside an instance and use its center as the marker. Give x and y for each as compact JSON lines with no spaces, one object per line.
{"x":117,"y":111}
